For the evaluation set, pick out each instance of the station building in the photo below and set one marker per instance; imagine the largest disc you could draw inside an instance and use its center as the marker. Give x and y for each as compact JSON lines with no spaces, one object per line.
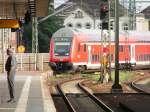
{"x":85,"y":14}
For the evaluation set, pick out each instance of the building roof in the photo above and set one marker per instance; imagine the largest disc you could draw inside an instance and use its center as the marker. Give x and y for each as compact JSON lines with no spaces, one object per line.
{"x":92,"y":7}
{"x":146,"y":12}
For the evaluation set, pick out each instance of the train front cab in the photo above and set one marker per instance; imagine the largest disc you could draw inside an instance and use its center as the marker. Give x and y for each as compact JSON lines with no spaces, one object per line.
{"x":60,"y":49}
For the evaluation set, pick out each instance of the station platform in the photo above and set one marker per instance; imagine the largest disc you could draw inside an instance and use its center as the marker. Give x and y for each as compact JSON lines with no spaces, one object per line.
{"x":31,"y":93}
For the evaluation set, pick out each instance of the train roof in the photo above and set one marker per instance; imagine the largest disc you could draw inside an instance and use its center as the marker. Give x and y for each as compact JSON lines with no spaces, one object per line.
{"x":95,"y":35}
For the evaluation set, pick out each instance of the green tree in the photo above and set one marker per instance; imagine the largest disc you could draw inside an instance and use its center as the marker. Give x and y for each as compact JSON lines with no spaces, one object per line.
{"x":45,"y":31}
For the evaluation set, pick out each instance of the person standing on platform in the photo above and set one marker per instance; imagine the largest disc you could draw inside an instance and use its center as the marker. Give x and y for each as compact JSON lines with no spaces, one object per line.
{"x":10,"y":68}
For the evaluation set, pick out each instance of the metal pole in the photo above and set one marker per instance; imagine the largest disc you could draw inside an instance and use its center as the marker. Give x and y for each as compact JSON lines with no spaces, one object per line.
{"x":21,"y":61}
{"x":33,"y":35}
{"x":109,"y":41}
{"x":36,"y":44}
{"x":35,"y":40}
{"x":3,"y":52}
{"x":116,"y":86}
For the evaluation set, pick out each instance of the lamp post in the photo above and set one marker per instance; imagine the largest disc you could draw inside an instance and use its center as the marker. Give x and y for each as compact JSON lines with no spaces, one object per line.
{"x":116,"y":86}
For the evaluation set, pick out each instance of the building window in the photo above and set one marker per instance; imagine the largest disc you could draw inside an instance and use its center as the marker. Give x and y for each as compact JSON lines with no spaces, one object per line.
{"x":125,"y":26}
{"x":79,"y":14}
{"x":111,"y":25}
{"x":69,"y":25}
{"x":99,"y":26}
{"x":78,"y":25}
{"x":88,"y":26}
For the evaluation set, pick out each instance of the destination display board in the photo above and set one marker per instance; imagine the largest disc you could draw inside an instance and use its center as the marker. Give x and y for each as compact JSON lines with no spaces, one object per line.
{"x":9,"y":23}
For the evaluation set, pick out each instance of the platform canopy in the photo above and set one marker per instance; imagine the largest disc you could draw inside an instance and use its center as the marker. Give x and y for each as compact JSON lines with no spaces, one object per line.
{"x":18,"y":8}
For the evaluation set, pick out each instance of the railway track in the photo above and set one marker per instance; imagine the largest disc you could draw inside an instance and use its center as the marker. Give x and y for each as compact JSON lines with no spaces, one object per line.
{"x":79,"y":102}
{"x":99,"y":102}
{"x":139,"y":85}
{"x":124,"y":102}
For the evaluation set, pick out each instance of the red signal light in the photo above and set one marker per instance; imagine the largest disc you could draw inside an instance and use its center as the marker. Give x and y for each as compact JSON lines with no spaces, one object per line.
{"x":104,"y":8}
{"x":104,"y":11}
{"x":105,"y":50}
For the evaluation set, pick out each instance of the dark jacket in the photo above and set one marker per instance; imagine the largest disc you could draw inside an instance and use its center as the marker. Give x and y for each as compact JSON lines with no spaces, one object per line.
{"x":8,"y":64}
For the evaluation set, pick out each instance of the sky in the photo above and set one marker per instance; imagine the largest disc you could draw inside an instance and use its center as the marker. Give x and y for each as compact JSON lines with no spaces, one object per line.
{"x":139,"y":6}
{"x":58,"y":3}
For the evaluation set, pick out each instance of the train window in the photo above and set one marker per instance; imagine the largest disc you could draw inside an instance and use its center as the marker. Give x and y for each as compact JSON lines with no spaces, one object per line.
{"x":78,"y":47}
{"x":92,"y":57}
{"x":97,"y":58}
{"x":137,"y":58}
{"x":84,"y":47}
{"x":141,"y":58}
{"x":129,"y":48}
{"x":145,"y":58}
{"x":120,"y":48}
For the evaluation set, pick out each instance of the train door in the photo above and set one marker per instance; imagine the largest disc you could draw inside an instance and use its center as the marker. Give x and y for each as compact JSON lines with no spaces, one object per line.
{"x":132,"y":52}
{"x":89,"y":54}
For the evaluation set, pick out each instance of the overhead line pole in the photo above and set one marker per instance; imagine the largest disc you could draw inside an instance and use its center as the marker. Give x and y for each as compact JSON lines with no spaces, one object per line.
{"x":116,"y":86}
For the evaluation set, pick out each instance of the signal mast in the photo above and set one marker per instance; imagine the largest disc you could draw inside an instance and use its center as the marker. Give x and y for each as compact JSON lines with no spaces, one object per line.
{"x":105,"y":42}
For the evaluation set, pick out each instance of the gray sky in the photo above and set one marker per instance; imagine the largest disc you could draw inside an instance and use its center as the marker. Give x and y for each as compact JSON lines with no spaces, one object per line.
{"x":58,"y":2}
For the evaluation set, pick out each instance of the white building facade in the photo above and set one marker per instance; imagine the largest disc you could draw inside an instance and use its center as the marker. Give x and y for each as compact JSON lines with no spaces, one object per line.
{"x":80,"y":19}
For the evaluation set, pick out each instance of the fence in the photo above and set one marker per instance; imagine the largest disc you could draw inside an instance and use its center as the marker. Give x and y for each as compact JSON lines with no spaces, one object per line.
{"x":28,"y":61}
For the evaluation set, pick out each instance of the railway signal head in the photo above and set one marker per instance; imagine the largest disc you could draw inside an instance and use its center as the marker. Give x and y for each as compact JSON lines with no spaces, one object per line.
{"x":105,"y":50}
{"x":104,"y":13}
{"x":104,"y":10}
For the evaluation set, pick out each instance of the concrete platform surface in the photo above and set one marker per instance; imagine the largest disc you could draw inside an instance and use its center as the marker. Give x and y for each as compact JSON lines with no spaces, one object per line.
{"x":31,"y":93}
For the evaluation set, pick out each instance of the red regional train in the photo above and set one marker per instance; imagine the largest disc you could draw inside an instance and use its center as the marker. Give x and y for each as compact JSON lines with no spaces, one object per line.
{"x":81,"y":49}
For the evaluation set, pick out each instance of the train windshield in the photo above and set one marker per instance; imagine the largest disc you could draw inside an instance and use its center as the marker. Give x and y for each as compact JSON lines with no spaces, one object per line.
{"x":62,"y":46}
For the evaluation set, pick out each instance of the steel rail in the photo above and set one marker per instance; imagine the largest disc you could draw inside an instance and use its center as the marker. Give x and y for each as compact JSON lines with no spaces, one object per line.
{"x":136,"y":87}
{"x":70,"y":107}
{"x":95,"y":99}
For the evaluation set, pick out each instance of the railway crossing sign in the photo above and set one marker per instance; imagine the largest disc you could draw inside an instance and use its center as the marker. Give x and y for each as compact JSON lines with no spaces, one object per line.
{"x":21,"y":49}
